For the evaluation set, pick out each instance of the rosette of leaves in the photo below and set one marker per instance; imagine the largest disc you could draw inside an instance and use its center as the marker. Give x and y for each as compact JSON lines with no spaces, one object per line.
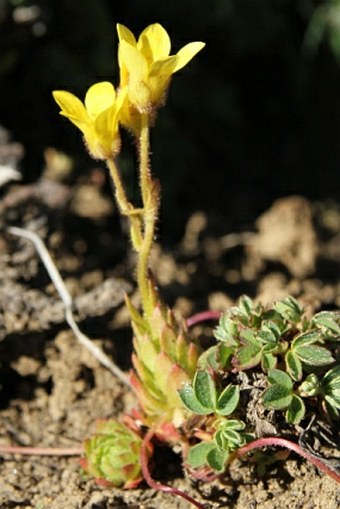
{"x":164,"y":358}
{"x":112,"y":455}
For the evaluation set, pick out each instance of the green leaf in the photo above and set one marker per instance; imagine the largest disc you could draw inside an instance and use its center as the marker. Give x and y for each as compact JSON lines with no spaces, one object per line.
{"x":224,"y":355}
{"x":248,"y":356}
{"x":331,"y":408}
{"x":277,"y":397}
{"x":208,"y":358}
{"x":296,"y":410}
{"x":311,"y":386}
{"x":289,"y":309}
{"x":228,"y":436}
{"x":270,"y":348}
{"x":276,"y":376}
{"x":205,"y":390}
{"x":197,"y":456}
{"x":327,"y":319}
{"x":216,"y":459}
{"x":234,"y":438}
{"x":189,"y":399}
{"x":334,"y":403}
{"x":227,"y":330}
{"x":314,"y":355}
{"x":270,"y":331}
{"x":246,"y":304}
{"x":307,"y":338}
{"x":234,"y":424}
{"x":330,"y":385}
{"x":228,"y":400}
{"x":332,"y":377}
{"x":268,"y":362}
{"x":248,"y":336}
{"x":221,"y":440}
{"x":217,"y":357}
{"x":293,"y":365}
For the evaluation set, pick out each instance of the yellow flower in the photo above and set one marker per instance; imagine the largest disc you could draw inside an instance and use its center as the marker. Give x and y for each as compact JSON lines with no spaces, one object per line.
{"x":146,"y":65}
{"x":97,"y":118}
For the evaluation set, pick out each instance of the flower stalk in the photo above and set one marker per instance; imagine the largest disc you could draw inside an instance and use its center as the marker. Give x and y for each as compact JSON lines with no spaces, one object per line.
{"x":150,"y":199}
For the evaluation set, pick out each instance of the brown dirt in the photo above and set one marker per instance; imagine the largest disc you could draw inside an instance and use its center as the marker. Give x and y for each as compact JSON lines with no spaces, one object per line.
{"x":52,"y":390}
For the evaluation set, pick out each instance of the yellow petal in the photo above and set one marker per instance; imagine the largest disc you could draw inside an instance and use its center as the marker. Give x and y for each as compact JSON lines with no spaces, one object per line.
{"x":164,"y":68}
{"x":92,"y":144}
{"x":106,"y":123}
{"x":120,"y":99}
{"x":139,"y":93}
{"x":99,"y":97}
{"x":106,"y":127}
{"x":187,"y":53}
{"x":72,"y":108}
{"x":154,"y":43}
{"x":159,"y":78}
{"x":124,"y":34}
{"x":105,"y":132}
{"x":130,"y":117}
{"x":134,"y":61}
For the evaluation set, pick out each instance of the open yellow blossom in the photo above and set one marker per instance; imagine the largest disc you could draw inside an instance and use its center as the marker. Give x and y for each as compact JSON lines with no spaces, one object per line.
{"x":146,"y":65}
{"x":97,"y":118}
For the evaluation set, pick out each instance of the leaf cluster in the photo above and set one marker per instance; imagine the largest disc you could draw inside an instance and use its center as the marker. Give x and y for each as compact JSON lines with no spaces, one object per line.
{"x":215,"y":452}
{"x":204,"y":398}
{"x":296,"y":357}
{"x":292,"y":351}
{"x":112,"y":454}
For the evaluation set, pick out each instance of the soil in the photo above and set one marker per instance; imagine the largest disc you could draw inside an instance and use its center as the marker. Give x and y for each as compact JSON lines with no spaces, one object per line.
{"x":52,"y":390}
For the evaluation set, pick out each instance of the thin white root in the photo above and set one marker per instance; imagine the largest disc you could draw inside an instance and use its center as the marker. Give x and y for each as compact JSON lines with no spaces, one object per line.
{"x":68,"y":302}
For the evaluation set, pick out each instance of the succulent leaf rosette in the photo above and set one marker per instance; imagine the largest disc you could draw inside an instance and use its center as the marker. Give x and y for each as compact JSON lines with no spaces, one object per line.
{"x":112,"y":455}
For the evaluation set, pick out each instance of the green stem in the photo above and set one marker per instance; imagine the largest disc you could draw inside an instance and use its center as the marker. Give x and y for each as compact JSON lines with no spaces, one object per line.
{"x":143,"y":264}
{"x":150,"y":205}
{"x":126,"y":208}
{"x":123,"y":203}
{"x":144,"y":145}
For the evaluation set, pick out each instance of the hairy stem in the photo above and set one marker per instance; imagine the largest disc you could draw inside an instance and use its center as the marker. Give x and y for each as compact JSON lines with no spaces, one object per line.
{"x":150,"y":204}
{"x":144,"y":162}
{"x":123,"y":203}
